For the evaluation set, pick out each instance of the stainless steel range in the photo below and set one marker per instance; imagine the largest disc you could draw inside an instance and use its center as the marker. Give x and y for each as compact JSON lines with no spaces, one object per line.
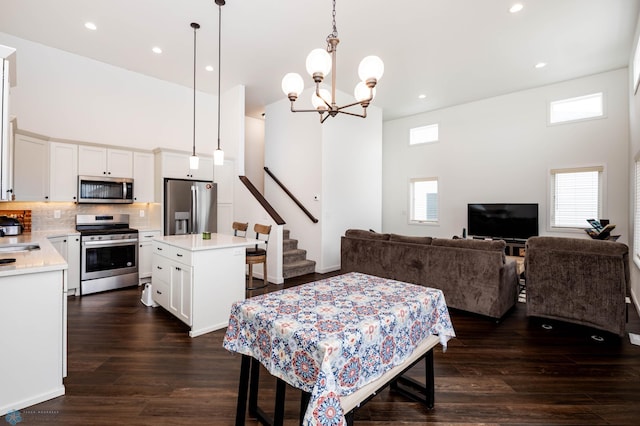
{"x":108,"y":252}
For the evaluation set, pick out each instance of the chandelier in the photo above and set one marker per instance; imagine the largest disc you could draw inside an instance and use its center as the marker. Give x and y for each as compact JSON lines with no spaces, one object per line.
{"x":320,"y":63}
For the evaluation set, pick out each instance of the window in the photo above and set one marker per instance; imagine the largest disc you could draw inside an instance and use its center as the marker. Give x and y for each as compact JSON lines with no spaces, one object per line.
{"x":424,"y":134}
{"x":576,"y":195}
{"x":424,"y":200}
{"x":573,"y":109}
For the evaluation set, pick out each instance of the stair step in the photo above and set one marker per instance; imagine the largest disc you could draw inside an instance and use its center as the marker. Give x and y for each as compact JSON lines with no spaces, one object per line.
{"x":289,"y":244}
{"x":296,"y":269}
{"x":291,"y":256}
{"x":285,"y":234}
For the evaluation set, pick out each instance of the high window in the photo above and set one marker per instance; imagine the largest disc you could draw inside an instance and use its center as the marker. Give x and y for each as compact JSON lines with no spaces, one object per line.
{"x":576,"y":195}
{"x":424,"y":200}
{"x":574,"y":109}
{"x":424,"y":134}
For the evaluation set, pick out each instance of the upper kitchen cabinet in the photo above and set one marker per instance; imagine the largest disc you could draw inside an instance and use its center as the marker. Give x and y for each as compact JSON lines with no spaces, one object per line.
{"x":100,"y":161}
{"x":63,"y":171}
{"x":176,"y":165}
{"x":31,"y":168}
{"x":143,"y":177}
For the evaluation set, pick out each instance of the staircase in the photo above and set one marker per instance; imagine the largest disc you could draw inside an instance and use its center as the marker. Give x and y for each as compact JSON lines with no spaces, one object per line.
{"x":294,"y":262}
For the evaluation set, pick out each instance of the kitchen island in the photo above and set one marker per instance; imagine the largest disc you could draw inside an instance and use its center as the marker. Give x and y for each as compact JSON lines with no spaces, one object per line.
{"x":33,"y":286}
{"x":198,"y":280}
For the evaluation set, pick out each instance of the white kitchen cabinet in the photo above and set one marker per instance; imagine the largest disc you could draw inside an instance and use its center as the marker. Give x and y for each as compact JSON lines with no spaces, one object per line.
{"x":145,"y":254}
{"x":101,"y":161}
{"x":176,"y":165}
{"x":63,"y":171}
{"x":205,"y":169}
{"x":33,"y":330}
{"x":31,"y":168}
{"x":172,"y":281}
{"x":69,"y":248}
{"x":198,"y":280}
{"x":143,"y":177}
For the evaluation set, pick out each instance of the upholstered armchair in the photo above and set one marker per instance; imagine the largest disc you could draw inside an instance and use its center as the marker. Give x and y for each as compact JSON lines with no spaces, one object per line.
{"x":578,"y":281}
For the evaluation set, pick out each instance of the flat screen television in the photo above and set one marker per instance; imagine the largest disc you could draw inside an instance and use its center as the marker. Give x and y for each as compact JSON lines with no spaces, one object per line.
{"x":517,"y":221}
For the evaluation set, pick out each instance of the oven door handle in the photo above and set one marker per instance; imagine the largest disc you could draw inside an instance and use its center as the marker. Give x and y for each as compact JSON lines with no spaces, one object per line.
{"x":110,"y":242}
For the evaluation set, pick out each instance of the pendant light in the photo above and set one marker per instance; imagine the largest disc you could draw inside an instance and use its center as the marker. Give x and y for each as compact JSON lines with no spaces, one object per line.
{"x":218,"y":154}
{"x":193,"y":160}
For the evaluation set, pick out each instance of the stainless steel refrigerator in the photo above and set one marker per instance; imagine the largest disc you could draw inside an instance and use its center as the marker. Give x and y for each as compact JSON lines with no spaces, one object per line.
{"x":190,"y":207}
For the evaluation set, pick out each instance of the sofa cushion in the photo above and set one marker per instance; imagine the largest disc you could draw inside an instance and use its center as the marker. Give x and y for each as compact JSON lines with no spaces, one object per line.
{"x":369,"y":235}
{"x":410,"y":239}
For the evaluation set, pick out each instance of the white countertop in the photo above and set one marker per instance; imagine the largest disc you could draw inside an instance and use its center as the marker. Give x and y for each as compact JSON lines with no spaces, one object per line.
{"x":44,"y":259}
{"x":194,"y":242}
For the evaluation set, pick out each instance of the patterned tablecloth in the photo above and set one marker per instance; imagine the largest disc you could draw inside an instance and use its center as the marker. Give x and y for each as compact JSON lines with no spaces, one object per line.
{"x":331,"y":337}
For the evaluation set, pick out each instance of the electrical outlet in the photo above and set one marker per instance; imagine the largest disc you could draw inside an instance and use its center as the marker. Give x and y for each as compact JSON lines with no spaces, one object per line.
{"x":56,"y":214}
{"x":141,"y":213}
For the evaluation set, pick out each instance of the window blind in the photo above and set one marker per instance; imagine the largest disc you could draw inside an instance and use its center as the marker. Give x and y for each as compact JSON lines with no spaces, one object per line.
{"x":576,"y":196}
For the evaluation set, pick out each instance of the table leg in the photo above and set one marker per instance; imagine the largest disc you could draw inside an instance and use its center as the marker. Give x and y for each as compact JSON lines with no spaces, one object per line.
{"x":242,"y":390}
{"x":304,"y":403}
{"x":278,"y":411}
{"x":253,"y":387}
{"x":430,"y":390}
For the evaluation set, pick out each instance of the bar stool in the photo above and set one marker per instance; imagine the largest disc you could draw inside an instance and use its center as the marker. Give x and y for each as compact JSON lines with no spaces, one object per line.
{"x":240,"y":229}
{"x":257,"y":255}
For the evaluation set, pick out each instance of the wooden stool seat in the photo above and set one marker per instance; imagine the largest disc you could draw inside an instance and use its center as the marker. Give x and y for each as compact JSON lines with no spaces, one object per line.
{"x":256,"y":255}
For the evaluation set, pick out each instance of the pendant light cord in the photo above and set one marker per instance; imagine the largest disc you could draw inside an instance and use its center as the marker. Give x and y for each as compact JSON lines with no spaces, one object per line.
{"x":195,"y":26}
{"x":219,"y":64}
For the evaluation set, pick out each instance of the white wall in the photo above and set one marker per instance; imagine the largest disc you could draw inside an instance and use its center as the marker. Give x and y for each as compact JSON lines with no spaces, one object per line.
{"x":633,"y":155}
{"x":71,"y":97}
{"x":338,"y":161}
{"x":501,"y":150}
{"x":254,"y":152}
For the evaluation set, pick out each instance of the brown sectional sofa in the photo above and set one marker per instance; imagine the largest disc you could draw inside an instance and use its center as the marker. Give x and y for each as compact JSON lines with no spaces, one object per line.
{"x":474,"y":275}
{"x":579,"y":281}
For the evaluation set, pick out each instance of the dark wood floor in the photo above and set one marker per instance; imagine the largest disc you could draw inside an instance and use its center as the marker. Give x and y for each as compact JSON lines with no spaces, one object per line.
{"x":134,"y":365}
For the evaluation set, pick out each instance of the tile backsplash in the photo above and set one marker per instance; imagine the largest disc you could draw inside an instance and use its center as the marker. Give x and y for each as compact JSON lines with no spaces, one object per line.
{"x":43,"y":215}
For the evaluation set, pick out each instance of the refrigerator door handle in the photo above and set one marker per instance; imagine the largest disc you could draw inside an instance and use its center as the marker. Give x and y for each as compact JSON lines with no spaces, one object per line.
{"x":194,"y":209}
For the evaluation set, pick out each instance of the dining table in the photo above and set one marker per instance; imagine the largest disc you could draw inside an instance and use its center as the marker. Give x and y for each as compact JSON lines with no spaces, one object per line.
{"x":331,"y":337}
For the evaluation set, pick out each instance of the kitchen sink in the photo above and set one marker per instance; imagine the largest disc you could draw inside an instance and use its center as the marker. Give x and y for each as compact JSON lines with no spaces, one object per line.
{"x":19,"y":247}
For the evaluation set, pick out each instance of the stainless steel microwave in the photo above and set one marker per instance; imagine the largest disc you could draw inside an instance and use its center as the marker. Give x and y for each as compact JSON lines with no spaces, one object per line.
{"x":105,"y":190}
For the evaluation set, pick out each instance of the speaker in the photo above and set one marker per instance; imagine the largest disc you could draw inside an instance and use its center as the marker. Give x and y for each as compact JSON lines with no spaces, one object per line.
{"x":464,"y":232}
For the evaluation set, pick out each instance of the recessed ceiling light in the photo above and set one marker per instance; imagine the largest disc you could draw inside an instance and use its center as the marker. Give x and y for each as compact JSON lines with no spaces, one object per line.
{"x":208,"y":68}
{"x":90,"y":26}
{"x":422,"y":96}
{"x":541,"y":64}
{"x":516,"y":8}
{"x":157,"y":50}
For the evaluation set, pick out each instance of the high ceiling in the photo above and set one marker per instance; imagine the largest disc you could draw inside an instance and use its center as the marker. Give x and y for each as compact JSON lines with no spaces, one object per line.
{"x":451,"y":51}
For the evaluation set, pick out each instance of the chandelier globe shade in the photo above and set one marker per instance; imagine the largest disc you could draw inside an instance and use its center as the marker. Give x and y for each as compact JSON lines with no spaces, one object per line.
{"x":319,"y":102}
{"x":362,"y":93}
{"x":292,"y":84}
{"x":318,"y":63}
{"x":370,"y":68}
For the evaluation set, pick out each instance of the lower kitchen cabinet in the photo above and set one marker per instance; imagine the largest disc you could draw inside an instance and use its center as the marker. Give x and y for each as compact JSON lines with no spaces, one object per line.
{"x":171,"y":283}
{"x":198,"y":280}
{"x":69,"y":248}
{"x":145,"y":253}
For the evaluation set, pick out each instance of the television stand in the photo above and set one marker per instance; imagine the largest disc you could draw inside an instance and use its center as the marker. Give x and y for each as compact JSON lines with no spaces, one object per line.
{"x":514,"y":247}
